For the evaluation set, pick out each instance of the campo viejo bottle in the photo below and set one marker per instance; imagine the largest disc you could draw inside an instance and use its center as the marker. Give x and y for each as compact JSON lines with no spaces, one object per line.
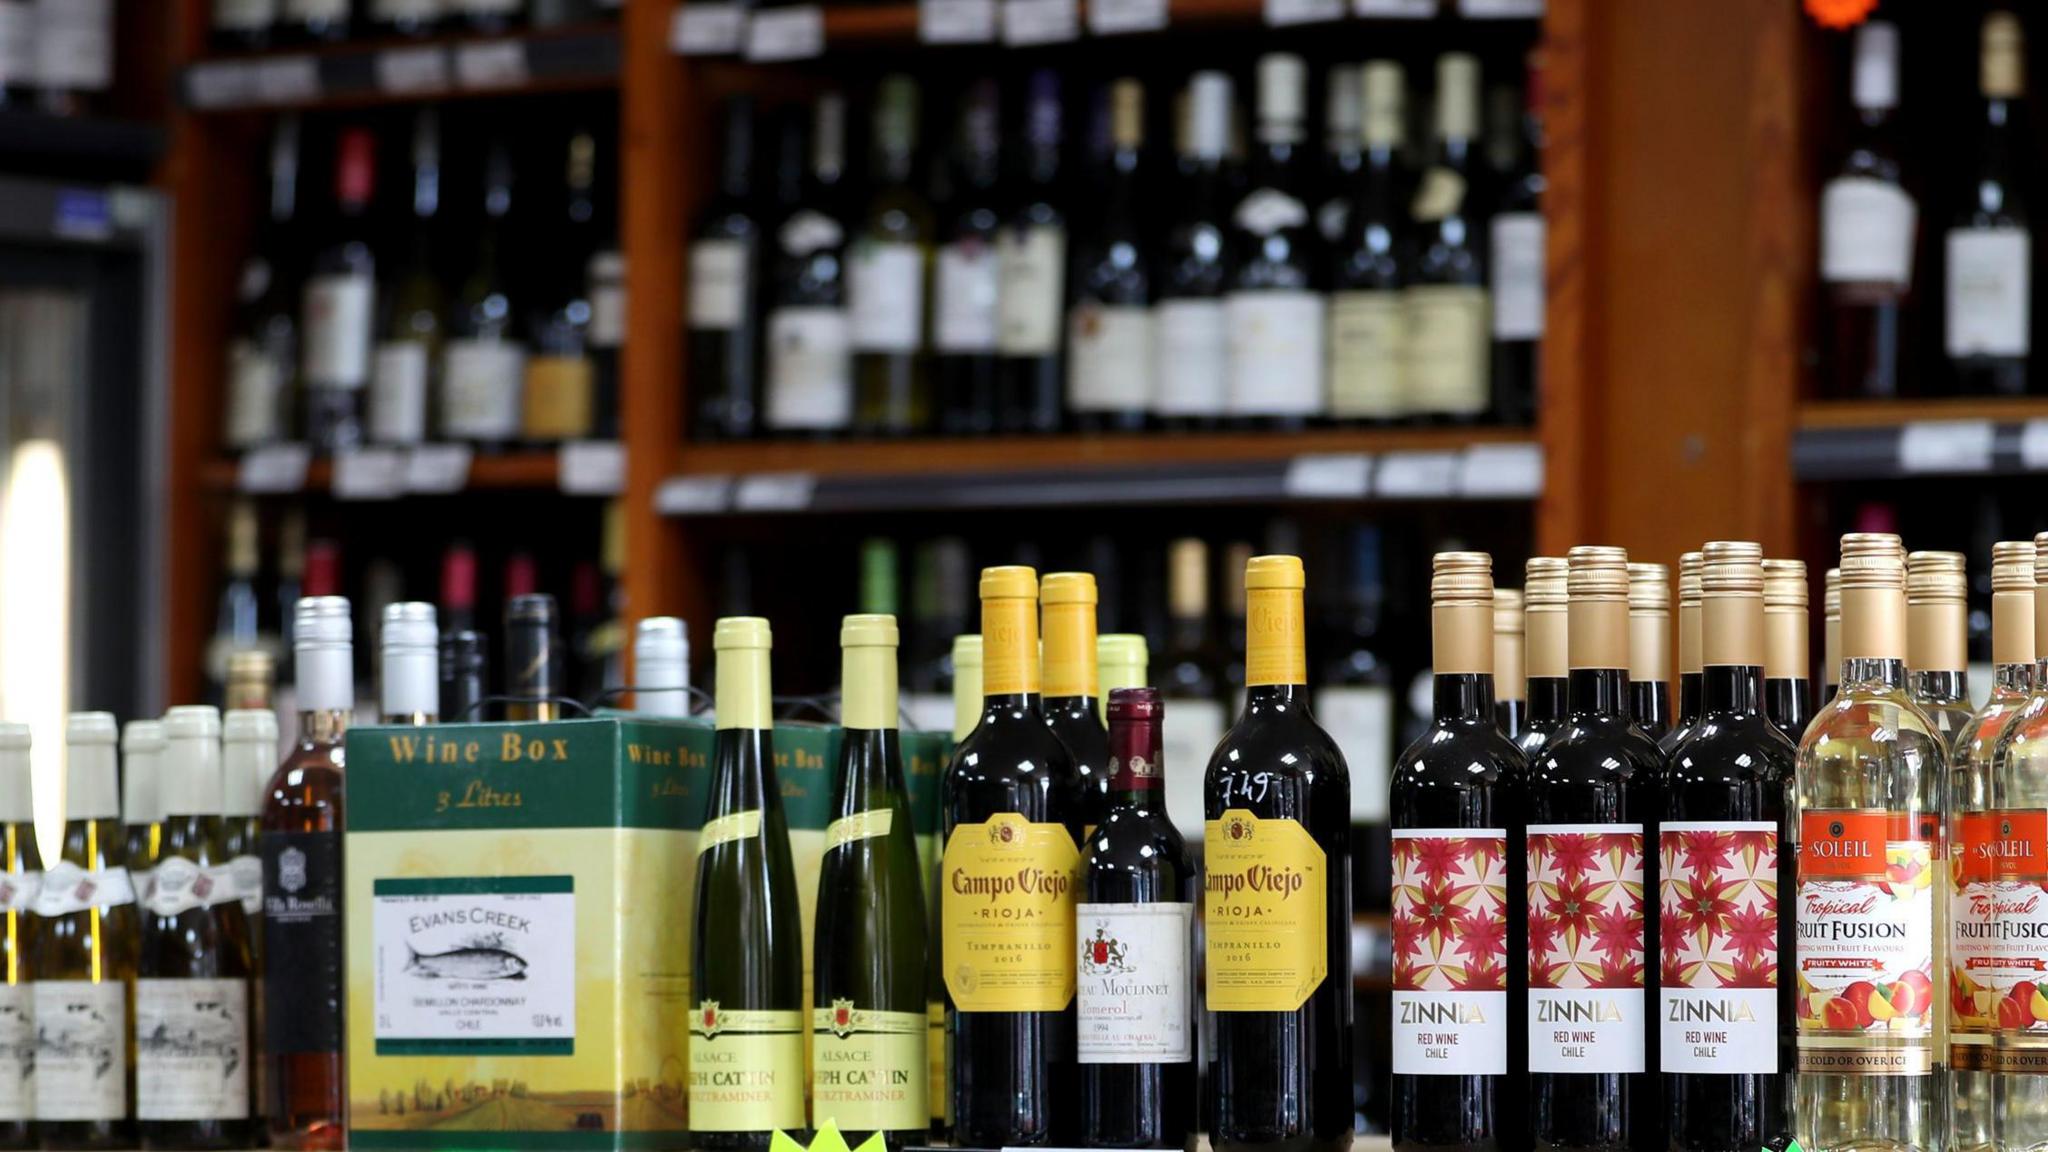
{"x":1007,"y":887}
{"x":746,"y":937}
{"x":1277,"y":899}
{"x":1459,"y":893}
{"x":1073,"y":685}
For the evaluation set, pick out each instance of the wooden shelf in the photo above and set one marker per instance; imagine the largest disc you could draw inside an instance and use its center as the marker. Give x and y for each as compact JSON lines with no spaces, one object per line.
{"x":854,"y":25}
{"x":78,"y":146}
{"x":1895,"y":413}
{"x":1852,"y":440}
{"x":360,"y":73}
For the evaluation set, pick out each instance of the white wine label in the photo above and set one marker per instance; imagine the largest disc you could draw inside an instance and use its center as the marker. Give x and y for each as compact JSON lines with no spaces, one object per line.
{"x":1998,"y":918}
{"x":1192,"y":361}
{"x":1367,"y":354}
{"x":1866,"y":232}
{"x":869,"y":1068}
{"x":1718,"y":887}
{"x":1135,"y":996}
{"x":17,"y":42}
{"x":17,"y":1052}
{"x":964,"y":303}
{"x":480,"y":389}
{"x":725,"y":829}
{"x":1586,"y":956}
{"x":1989,"y":291}
{"x":398,"y":393}
{"x":1031,"y":267}
{"x":338,"y":314}
{"x":1360,"y":718}
{"x":1866,"y":941}
{"x":255,"y":395}
{"x":474,"y":966}
{"x":178,"y":885}
{"x":67,"y":888}
{"x":1265,"y":211}
{"x":1446,"y":343}
{"x":1276,"y":352}
{"x":1450,"y":898}
{"x":810,"y":368}
{"x":191,"y":1049}
{"x":719,"y":283}
{"x":885,"y":296}
{"x":808,"y":231}
{"x":75,"y":44}
{"x":1518,"y":276}
{"x":868,"y":825}
{"x":1110,"y":350}
{"x":1198,"y":726}
{"x":606,"y":278}
{"x":746,"y":1068}
{"x":81,"y":1049}
{"x":19,"y":890}
{"x":246,"y":873}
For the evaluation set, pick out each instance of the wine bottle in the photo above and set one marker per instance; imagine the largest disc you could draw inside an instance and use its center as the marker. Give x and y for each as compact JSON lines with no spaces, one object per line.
{"x":810,"y":362}
{"x":485,"y":17}
{"x":248,"y":754}
{"x":1354,"y":702}
{"x":1867,"y":226}
{"x":407,"y":17}
{"x":1546,"y":610}
{"x":302,"y":823}
{"x":1277,"y":909}
{"x":1109,"y":328}
{"x":409,"y":351}
{"x":409,"y":648}
{"x":939,"y":592}
{"x":725,"y":261}
{"x":1937,"y":659}
{"x":661,"y":667}
{"x":965,"y":294}
{"x":1519,"y":263}
{"x":83,"y":948}
{"x":234,"y":26}
{"x":1274,"y":312}
{"x":236,"y":616}
{"x":1593,"y":810}
{"x":1445,"y":309}
{"x":1123,"y":662}
{"x":1236,"y":555}
{"x":1031,"y":269}
{"x":465,"y":672}
{"x":1989,"y":249}
{"x":1013,"y":809}
{"x":1690,"y":642}
{"x":192,"y":982}
{"x":263,"y":356}
{"x":886,"y":271}
{"x":1073,"y":686}
{"x":967,"y":685}
{"x":1192,"y":357}
{"x":1135,"y":997}
{"x":1510,"y":664}
{"x":1343,"y":158}
{"x":1649,"y":648}
{"x":1458,"y":807}
{"x":20,"y":879}
{"x":869,"y":1021}
{"x":1788,"y":692}
{"x":559,"y":400}
{"x":1725,"y":1031}
{"x":1368,"y":262}
{"x":1190,"y":684}
{"x":340,"y":304}
{"x":1831,"y":636}
{"x":746,"y":944}
{"x":533,"y":658}
{"x":313,"y":21}
{"x":483,"y":361}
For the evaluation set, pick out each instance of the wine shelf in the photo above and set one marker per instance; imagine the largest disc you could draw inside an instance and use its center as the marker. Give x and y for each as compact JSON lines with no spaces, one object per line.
{"x":1895,"y":439}
{"x":592,"y":468}
{"x":74,"y":146}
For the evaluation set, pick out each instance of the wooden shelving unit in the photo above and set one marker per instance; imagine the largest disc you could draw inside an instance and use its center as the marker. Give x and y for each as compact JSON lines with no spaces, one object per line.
{"x":513,"y":471}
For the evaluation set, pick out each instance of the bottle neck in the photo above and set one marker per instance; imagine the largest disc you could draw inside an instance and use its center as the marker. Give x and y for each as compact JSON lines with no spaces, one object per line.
{"x":868,"y":687}
{"x":1873,"y":672}
{"x":1689,"y":696}
{"x":325,"y":677}
{"x":1009,"y":654}
{"x":1463,"y":696}
{"x":1275,"y":649}
{"x":2013,"y":679}
{"x":323,"y":725}
{"x":1136,"y":763}
{"x":1070,"y":653}
{"x":1548,"y":696}
{"x":1941,"y":684}
{"x":1262,"y":698}
{"x":743,"y":697}
{"x":1599,"y":692}
{"x":1736,"y":688}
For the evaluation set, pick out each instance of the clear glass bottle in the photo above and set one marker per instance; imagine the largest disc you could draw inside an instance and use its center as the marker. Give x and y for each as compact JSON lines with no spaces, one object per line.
{"x":1937,"y":634}
{"x":1830,"y":636}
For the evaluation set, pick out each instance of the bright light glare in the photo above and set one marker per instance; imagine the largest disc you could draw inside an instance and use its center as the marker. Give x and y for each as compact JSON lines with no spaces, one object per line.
{"x":35,"y":617}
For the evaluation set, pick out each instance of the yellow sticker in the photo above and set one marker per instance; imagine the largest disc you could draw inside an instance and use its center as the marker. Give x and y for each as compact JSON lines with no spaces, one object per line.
{"x":746,"y":1069}
{"x":1006,"y":908}
{"x":1266,"y":913}
{"x":868,"y":1070}
{"x":726,"y":829}
{"x":937,"y":1091}
{"x":860,"y":826}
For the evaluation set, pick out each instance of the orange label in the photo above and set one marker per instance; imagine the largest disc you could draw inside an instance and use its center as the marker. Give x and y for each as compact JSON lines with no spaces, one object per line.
{"x":1266,"y":911}
{"x":2009,"y":844}
{"x":1006,"y":908}
{"x":1275,"y":652}
{"x":1852,"y":844}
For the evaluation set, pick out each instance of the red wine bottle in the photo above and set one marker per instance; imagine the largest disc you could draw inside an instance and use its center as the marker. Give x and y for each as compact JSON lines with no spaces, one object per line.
{"x":1510,"y":664}
{"x":1544,"y":626}
{"x":1649,"y":648}
{"x":1788,"y":691}
{"x":1688,"y":649}
{"x":1072,"y":687}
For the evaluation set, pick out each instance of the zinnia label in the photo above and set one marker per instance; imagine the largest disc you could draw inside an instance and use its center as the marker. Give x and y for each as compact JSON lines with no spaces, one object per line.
{"x":1450,"y":952}
{"x":1717,"y":885}
{"x":1586,"y":953}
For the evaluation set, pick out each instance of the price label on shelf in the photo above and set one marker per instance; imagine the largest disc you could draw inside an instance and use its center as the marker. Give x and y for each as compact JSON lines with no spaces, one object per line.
{"x":592,"y":467}
{"x":1501,"y":472}
{"x":956,"y":21}
{"x":368,"y":474}
{"x":693,"y":495}
{"x":1395,"y":9}
{"x":287,"y":80}
{"x":1501,"y":9}
{"x":1417,"y":475}
{"x":1329,"y":476}
{"x":1028,"y":22}
{"x":1945,"y":446}
{"x":2034,"y":446}
{"x":1280,"y":13}
{"x":437,"y":469}
{"x":412,"y":71}
{"x":274,"y":469}
{"x":220,"y":84}
{"x":786,"y":33}
{"x":709,"y":29}
{"x":1116,"y":17}
{"x":501,"y":64}
{"x":775,"y":492}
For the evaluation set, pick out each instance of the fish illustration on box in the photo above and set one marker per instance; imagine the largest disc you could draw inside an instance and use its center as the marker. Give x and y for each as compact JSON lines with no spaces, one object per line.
{"x":484,"y":958}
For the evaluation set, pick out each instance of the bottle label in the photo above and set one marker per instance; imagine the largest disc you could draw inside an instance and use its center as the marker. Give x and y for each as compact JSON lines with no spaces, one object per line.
{"x":75,"y":44}
{"x":885,"y":296}
{"x":1998,"y":920}
{"x":1360,"y":718}
{"x":481,"y":965}
{"x":559,"y":398}
{"x":17,"y":1052}
{"x":810,"y":368}
{"x":871,"y":824}
{"x":868,"y":1069}
{"x":719,"y":284}
{"x":1265,"y":211}
{"x":177,"y":885}
{"x":1276,"y":352}
{"x":1718,"y":947}
{"x":338,"y":310}
{"x":606,"y":276}
{"x":1192,"y":360}
{"x":247,"y":874}
{"x":1586,"y":955}
{"x":1198,"y":726}
{"x":302,"y":989}
{"x":19,"y":890}
{"x":245,"y":15}
{"x":1450,"y":951}
{"x":1006,"y":908}
{"x":1440,"y":194}
{"x":1989,"y":291}
{"x":1518,"y":276}
{"x":1031,"y":266}
{"x":1111,"y":350}
{"x":746,"y":1069}
{"x":1366,"y":354}
{"x":1866,"y":942}
{"x":398,"y":393}
{"x":964,"y":310}
{"x":191,"y":1049}
{"x":1866,"y":232}
{"x":480,"y":388}
{"x":81,"y":1049}
{"x":255,"y":395}
{"x":1135,"y":999}
{"x":1446,"y":345}
{"x":1265,"y":911}
{"x":67,"y":888}
{"x":807,"y":231}
{"x":728,"y":828}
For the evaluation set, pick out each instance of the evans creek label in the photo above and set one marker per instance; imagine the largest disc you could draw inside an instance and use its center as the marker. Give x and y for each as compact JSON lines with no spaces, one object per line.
{"x":1450,"y":951}
{"x":302,"y":987}
{"x":1866,"y":942}
{"x":746,"y":1069}
{"x":1136,"y":996}
{"x":1007,"y":890}
{"x":869,"y":1072}
{"x":1586,"y":954}
{"x":81,"y":1050}
{"x":1718,"y":965}
{"x":475,"y":965}
{"x":1998,"y":932}
{"x":1266,"y":913}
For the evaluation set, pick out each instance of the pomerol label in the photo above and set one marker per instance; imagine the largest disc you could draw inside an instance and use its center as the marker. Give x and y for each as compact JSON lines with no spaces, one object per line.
{"x":1586,"y":954}
{"x":1998,"y":931}
{"x":1717,"y":885}
{"x":1135,"y":1001}
{"x":1866,"y":942}
{"x":1450,"y":951}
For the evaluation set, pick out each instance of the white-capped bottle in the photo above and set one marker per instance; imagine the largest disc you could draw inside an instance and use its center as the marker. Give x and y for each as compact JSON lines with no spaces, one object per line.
{"x":410,"y":649}
{"x":661,"y":667}
{"x":142,"y":752}
{"x":248,"y":754}
{"x":20,"y":876}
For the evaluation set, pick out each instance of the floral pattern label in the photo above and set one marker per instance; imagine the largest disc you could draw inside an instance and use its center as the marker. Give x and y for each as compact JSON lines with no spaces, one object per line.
{"x":1717,"y":885}
{"x":1866,"y":942}
{"x":1450,"y":951}
{"x":1586,"y":951}
{"x":1998,"y":932}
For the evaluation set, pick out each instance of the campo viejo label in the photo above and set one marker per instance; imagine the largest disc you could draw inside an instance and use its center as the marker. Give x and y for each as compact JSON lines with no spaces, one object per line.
{"x":1450,"y":951}
{"x":1007,"y":889}
{"x":1866,"y":941}
{"x":1998,"y":941}
{"x":1265,"y":887}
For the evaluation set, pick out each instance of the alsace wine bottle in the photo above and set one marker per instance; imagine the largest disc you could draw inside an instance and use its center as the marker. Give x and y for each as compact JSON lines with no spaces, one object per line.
{"x":1124,"y":661}
{"x":302,"y":822}
{"x":746,"y":938}
{"x":409,"y":349}
{"x":967,"y":684}
{"x":868,"y":1016}
{"x":661,"y":667}
{"x":725,"y":273}
{"x":1592,"y":815}
{"x":1831,"y":636}
{"x":966,"y":287}
{"x":1510,"y":664}
{"x":1031,"y":268}
{"x":1937,"y":652}
{"x":810,"y":363}
{"x":1192,"y":359}
{"x":1277,"y":904}
{"x":1109,"y":328}
{"x":1190,"y":684}
{"x":1274,"y":311}
{"x":409,"y":662}
{"x":1072,"y":687}
{"x":1649,"y":648}
{"x":192,"y":1045}
{"x":1868,"y":225}
{"x":1369,"y":262}
{"x":1459,"y":890}
{"x":1545,"y":612}
{"x":1689,"y":644}
{"x":1989,"y":250}
{"x":340,"y":304}
{"x":886,"y":273}
{"x":20,"y":877}
{"x":83,"y":949}
{"x":1725,"y":1017}
{"x":1135,"y":997}
{"x":142,"y":749}
{"x":1445,"y":307}
{"x":1788,"y":688}
{"x":1008,"y":884}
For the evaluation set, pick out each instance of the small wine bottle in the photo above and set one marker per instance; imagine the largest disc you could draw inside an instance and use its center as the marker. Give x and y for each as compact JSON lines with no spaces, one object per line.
{"x":1510,"y":664}
{"x":1788,"y":687}
{"x":1072,"y":686}
{"x":1649,"y":648}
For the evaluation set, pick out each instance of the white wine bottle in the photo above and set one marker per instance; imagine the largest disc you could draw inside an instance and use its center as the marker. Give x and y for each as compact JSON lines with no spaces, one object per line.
{"x":20,"y":875}
{"x":142,"y":749}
